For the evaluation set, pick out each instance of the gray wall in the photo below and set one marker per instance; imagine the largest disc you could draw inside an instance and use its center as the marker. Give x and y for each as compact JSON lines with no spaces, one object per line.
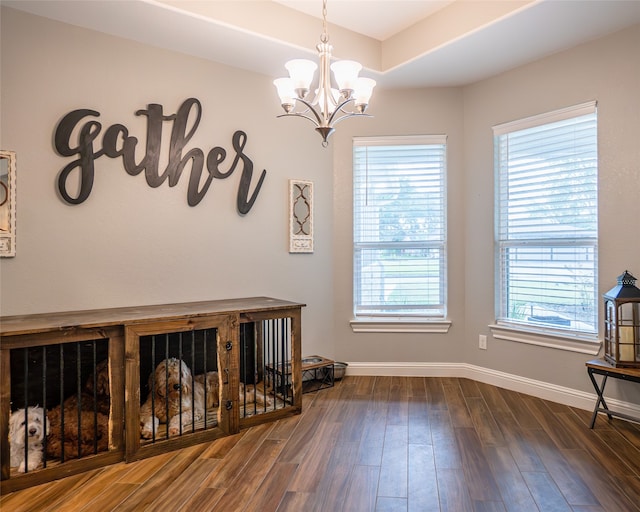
{"x":606,"y":70}
{"x":129,"y":244}
{"x":406,"y":112}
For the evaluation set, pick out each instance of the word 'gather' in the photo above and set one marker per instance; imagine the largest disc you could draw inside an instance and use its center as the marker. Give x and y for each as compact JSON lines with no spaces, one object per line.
{"x":116,"y":142}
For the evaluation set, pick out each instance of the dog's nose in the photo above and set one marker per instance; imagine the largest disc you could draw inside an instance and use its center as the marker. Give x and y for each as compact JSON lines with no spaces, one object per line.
{"x":176,"y":387}
{"x":32,"y":431}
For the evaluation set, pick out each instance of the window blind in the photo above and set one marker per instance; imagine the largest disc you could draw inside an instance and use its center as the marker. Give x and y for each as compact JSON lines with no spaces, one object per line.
{"x":399,"y":226}
{"x":547,"y":220}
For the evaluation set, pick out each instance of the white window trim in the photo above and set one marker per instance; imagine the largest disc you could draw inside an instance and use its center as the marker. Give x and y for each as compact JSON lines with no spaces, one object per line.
{"x":547,"y":339}
{"x":401,"y":324}
{"x":549,"y":117}
{"x":408,"y":323}
{"x":404,"y":139}
{"x":578,"y":342}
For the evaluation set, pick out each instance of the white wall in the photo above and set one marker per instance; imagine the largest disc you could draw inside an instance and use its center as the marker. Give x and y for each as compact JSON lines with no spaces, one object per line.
{"x":129,"y":244}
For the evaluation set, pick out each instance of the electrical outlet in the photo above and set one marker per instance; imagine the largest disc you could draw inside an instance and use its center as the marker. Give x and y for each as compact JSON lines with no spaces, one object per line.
{"x":482,"y":342}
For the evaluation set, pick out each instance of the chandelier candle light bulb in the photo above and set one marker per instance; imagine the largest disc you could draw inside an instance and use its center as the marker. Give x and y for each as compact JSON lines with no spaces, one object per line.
{"x":301,"y":73}
{"x":363,"y":92}
{"x":346,"y":75}
{"x":326,"y":106}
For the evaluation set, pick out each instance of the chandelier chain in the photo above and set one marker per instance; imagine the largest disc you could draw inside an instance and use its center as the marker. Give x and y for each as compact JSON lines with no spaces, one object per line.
{"x":325,"y":35}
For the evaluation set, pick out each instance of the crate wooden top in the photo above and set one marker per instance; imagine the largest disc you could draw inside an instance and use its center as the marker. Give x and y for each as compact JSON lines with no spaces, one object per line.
{"x":43,"y":322}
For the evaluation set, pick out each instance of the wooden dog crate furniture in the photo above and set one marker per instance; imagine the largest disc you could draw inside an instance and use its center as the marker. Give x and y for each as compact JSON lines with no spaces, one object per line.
{"x":230,"y":345}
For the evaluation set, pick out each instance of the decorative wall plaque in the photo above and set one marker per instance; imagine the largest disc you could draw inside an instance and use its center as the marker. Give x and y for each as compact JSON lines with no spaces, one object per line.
{"x":300,"y":216}
{"x":7,"y":203}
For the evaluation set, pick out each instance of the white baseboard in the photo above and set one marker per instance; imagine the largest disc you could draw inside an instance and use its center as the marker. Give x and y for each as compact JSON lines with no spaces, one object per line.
{"x":540,"y":389}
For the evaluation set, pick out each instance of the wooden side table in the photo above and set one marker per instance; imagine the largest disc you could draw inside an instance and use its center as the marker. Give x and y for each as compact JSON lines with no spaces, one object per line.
{"x":600,"y":367}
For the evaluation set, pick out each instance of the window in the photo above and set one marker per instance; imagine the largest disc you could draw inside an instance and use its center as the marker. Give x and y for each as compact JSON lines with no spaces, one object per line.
{"x":547,"y":221}
{"x":399,"y":227}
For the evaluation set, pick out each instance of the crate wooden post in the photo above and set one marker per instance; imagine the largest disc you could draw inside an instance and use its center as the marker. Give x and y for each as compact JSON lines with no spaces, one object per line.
{"x":296,"y":357}
{"x":116,"y":388}
{"x":5,"y":409}
{"x":132,"y":392}
{"x":229,"y":371}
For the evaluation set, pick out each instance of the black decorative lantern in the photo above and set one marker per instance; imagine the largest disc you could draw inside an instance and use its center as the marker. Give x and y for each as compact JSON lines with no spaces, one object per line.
{"x":622,"y":323}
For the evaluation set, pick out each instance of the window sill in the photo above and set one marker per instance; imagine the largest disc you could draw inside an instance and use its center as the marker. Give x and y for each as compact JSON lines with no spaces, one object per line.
{"x":400,"y":325}
{"x":546,"y":339}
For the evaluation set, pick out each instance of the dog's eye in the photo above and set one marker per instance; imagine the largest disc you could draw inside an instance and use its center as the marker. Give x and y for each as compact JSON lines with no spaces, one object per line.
{"x":22,"y":424}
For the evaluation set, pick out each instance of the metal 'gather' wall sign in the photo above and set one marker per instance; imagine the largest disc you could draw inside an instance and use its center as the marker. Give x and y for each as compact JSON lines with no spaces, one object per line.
{"x":116,"y":142}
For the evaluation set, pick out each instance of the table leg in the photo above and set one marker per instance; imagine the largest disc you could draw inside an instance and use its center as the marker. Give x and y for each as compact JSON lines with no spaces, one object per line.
{"x":600,"y":393}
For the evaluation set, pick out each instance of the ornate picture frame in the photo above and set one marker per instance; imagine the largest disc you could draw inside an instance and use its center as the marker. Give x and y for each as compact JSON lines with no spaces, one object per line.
{"x":300,"y":216}
{"x":7,"y":203}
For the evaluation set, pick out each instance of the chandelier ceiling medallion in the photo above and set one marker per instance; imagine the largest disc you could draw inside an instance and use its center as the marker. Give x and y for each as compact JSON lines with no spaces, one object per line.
{"x":324,"y":105}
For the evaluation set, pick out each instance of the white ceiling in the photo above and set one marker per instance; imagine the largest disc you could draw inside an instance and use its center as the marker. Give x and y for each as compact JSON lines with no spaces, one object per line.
{"x":402,"y":43}
{"x":374,"y":18}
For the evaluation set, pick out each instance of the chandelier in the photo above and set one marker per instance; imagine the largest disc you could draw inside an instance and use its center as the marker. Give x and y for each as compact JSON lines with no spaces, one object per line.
{"x":324,"y":105}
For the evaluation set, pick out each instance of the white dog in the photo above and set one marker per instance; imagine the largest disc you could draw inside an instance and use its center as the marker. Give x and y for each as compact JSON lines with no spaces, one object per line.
{"x":29,"y":426}
{"x":171,"y":399}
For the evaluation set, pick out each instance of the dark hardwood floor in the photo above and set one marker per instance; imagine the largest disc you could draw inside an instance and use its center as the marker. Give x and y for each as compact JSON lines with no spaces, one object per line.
{"x":381,"y":444}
